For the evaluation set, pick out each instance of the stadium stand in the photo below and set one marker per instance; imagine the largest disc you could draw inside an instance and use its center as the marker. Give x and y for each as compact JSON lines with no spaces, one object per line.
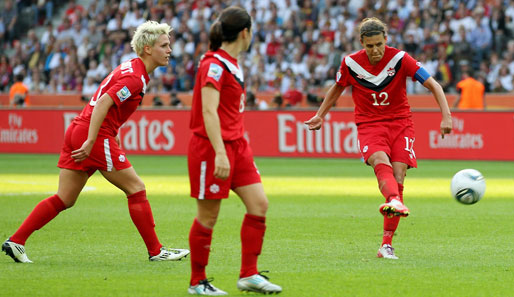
{"x":67,"y":47}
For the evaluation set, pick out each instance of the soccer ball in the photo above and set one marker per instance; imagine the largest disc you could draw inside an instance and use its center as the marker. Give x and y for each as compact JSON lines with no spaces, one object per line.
{"x":468,"y":186}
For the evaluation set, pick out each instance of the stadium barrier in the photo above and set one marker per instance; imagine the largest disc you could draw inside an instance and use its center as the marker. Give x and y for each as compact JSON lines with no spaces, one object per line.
{"x":279,"y":133}
{"x":494,"y":101}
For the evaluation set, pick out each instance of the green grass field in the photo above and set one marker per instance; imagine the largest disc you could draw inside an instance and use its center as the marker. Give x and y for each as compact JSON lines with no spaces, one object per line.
{"x":323,"y":232}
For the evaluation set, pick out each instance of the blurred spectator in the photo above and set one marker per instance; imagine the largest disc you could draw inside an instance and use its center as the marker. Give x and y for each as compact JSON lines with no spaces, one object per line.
{"x":89,"y":86}
{"x":277,"y":102}
{"x":174,"y":100}
{"x":480,"y":39}
{"x":472,"y":93}
{"x":9,"y":18}
{"x":74,"y":11}
{"x":292,"y":97}
{"x":19,"y":93}
{"x":157,"y":101}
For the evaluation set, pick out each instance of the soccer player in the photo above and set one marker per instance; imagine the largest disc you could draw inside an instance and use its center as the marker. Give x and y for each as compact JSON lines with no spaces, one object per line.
{"x":91,"y":143}
{"x":378,"y":76}
{"x":219,"y":157}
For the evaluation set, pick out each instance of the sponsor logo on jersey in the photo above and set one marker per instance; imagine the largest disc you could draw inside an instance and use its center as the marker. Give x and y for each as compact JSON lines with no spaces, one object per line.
{"x":214,"y":188}
{"x":123,"y":94}
{"x":391,"y":71}
{"x":215,"y":71}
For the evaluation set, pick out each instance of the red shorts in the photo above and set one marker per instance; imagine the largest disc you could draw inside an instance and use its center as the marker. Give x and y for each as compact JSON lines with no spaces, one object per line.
{"x":395,"y":138}
{"x":105,"y":155}
{"x":200,"y":158}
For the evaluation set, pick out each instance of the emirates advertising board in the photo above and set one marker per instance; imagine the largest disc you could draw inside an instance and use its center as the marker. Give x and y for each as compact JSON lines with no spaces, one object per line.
{"x":476,"y":135}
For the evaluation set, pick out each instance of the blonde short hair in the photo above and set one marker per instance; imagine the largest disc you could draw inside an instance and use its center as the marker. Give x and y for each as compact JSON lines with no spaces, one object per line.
{"x":147,"y":33}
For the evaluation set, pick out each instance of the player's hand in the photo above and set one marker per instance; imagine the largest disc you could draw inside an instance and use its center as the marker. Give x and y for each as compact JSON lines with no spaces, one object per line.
{"x":221,"y":166}
{"x":83,"y":152}
{"x":446,"y":126}
{"x":314,"y":123}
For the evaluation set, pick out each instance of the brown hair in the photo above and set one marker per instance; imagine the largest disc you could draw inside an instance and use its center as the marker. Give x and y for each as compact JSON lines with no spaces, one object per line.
{"x":372,"y":26}
{"x":232,"y":20}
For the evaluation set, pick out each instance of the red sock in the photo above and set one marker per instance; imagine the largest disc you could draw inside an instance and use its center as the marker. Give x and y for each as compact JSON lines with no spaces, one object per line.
{"x":400,"y":191}
{"x":391,"y":224}
{"x":386,"y":181}
{"x":252,"y":236}
{"x":43,"y":213}
{"x":141,"y":214}
{"x":200,"y":238}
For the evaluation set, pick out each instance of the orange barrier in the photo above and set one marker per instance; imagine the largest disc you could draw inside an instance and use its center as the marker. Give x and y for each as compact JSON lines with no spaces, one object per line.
{"x":493,"y":101}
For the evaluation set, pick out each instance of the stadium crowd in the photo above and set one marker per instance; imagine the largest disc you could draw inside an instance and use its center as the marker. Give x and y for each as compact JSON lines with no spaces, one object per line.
{"x":297,"y":49}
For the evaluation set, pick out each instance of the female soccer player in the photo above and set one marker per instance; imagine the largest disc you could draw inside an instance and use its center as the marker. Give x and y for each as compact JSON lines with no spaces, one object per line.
{"x":219,"y":157}
{"x":91,"y":143}
{"x":378,"y":76}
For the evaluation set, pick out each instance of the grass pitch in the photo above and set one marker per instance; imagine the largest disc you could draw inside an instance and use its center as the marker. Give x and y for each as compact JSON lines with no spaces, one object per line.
{"x":323,"y":232}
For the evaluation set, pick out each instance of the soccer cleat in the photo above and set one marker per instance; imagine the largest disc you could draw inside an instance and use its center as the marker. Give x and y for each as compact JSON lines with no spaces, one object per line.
{"x":170,"y":255}
{"x":204,"y":287}
{"x":16,"y":251}
{"x":258,"y":283}
{"x":394,"y":208}
{"x":387,"y":252}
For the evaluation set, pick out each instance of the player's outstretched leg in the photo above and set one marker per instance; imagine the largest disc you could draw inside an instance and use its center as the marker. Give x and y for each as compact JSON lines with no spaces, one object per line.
{"x":389,"y":189}
{"x":15,"y":251}
{"x":204,"y":287}
{"x":258,"y":283}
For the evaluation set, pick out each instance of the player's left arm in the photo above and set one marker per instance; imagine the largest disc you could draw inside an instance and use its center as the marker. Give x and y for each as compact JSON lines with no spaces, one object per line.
{"x":430,"y":83}
{"x":97,"y":117}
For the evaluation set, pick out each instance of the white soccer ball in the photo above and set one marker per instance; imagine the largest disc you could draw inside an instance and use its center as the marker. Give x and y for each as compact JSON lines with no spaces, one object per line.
{"x":468,"y":186}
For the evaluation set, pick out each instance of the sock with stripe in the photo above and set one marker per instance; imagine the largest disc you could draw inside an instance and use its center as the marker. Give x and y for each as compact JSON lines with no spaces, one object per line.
{"x":386,"y":181}
{"x":43,"y":213}
{"x":200,"y":238}
{"x":252,"y":237}
{"x":141,"y":214}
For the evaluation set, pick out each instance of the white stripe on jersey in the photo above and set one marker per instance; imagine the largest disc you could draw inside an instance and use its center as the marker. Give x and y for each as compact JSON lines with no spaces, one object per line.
{"x":144,"y":83}
{"x":236,"y":70}
{"x":378,"y":79}
{"x":107,"y":151}
{"x":203,"y":169}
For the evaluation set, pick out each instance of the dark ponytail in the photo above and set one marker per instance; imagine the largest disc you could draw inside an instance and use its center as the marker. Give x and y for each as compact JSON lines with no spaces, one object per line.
{"x":215,"y":36}
{"x":232,"y":20}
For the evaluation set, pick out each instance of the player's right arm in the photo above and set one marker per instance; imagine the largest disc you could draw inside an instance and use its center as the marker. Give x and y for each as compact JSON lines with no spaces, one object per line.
{"x":210,"y":103}
{"x":97,"y":117}
{"x":330,"y":99}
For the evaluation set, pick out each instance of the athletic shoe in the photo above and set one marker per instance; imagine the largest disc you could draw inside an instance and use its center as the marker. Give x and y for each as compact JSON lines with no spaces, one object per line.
{"x":204,"y":287}
{"x":394,"y":208}
{"x":170,"y":255}
{"x":16,"y":251}
{"x":387,"y":252}
{"x":258,"y":283}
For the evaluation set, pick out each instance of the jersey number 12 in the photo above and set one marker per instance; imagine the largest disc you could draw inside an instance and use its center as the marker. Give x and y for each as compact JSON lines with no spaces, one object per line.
{"x":382,"y":97}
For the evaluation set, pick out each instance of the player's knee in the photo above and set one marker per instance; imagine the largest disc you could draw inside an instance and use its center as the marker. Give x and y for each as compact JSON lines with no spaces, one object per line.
{"x":208,"y":220}
{"x":399,"y":176}
{"x":263,"y":205}
{"x":259,"y":206}
{"x":69,"y":203}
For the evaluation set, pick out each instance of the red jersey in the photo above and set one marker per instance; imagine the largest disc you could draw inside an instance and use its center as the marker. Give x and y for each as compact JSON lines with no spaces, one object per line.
{"x":378,"y":91}
{"x":220,"y":70}
{"x":126,"y":85}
